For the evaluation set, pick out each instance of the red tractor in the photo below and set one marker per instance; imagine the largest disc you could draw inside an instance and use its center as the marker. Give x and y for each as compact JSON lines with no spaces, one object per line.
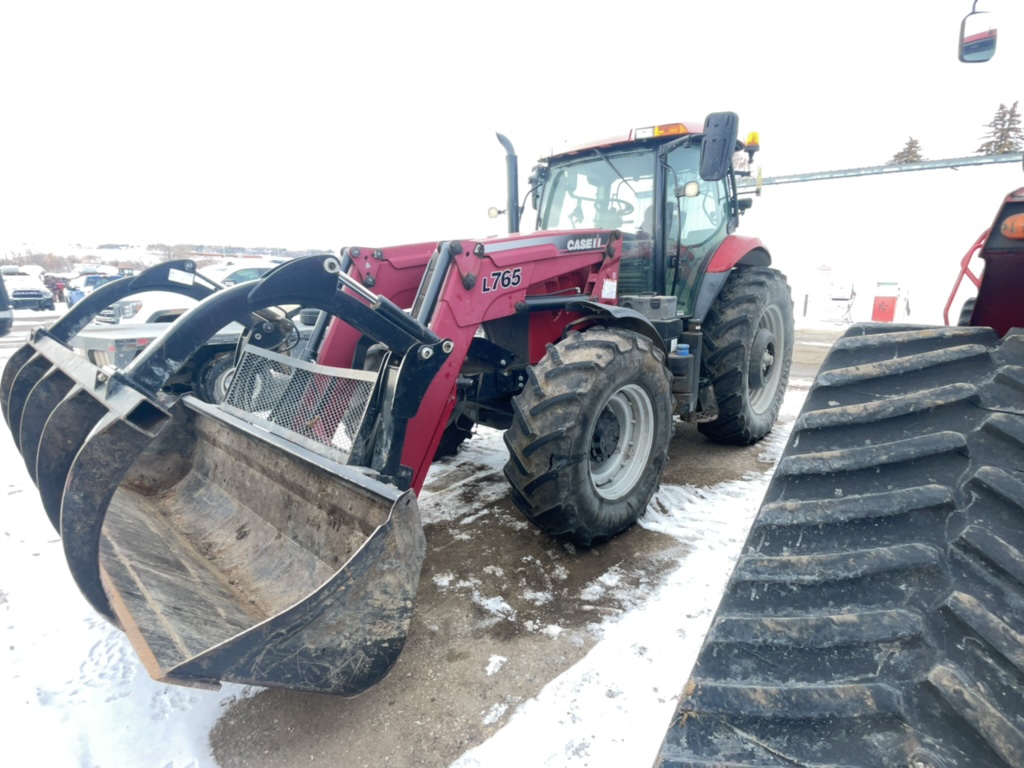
{"x":274,"y":538}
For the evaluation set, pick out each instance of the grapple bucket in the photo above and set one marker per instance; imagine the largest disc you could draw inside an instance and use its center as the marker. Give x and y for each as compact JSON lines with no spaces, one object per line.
{"x":268,"y":541}
{"x":226,"y":556}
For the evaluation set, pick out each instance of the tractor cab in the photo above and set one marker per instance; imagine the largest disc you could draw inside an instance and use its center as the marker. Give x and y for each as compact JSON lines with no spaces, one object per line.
{"x":647,"y":185}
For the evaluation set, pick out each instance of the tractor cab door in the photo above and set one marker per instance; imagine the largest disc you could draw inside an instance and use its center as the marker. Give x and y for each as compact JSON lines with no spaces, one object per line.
{"x":696,"y":223}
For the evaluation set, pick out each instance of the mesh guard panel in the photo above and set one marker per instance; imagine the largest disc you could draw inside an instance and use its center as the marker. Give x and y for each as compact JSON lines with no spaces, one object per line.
{"x":315,"y":406}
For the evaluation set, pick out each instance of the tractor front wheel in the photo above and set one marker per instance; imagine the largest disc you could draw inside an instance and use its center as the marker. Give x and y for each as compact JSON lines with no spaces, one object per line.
{"x":748,"y":350}
{"x":589,"y":440}
{"x":212,"y":379}
{"x":454,"y":435}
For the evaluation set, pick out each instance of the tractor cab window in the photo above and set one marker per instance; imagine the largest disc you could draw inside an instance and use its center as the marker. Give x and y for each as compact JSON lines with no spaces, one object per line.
{"x":697,"y":225}
{"x":600,"y":190}
{"x":700,"y":217}
{"x":703,"y":216}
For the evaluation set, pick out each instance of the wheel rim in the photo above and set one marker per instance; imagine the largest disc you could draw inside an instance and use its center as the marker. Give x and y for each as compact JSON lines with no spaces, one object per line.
{"x":222,"y":384}
{"x":621,"y":443}
{"x":769,"y":366}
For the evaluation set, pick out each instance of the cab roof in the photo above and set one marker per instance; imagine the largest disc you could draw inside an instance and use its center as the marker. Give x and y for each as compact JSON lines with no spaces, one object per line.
{"x":663,"y":131}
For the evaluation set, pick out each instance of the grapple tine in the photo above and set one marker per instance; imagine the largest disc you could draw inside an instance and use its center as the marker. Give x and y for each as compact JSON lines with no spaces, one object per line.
{"x":21,"y":385}
{"x":90,"y":485}
{"x":61,"y":439}
{"x":40,"y":403}
{"x":14,"y":365}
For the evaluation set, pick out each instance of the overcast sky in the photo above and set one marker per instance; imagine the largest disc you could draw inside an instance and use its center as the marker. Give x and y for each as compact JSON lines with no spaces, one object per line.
{"x":326,"y":124}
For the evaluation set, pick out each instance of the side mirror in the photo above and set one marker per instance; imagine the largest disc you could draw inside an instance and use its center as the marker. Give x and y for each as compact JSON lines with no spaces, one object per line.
{"x":718,"y":145}
{"x":977,"y":37}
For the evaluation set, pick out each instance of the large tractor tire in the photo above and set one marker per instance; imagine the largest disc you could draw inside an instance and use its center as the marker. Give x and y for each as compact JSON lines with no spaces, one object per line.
{"x":876,"y":615}
{"x":748,"y":351}
{"x":589,"y":440}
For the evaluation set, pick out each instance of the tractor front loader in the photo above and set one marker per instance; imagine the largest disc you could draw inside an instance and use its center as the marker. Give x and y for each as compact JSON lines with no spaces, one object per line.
{"x":274,"y":538}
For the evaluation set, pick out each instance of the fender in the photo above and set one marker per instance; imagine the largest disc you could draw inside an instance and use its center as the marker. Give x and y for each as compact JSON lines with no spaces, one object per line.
{"x":737,"y":250}
{"x":998,"y":303}
{"x":614,"y":316}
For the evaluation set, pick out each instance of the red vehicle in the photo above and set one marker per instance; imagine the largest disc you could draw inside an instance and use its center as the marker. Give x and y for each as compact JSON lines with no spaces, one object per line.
{"x":274,"y":538}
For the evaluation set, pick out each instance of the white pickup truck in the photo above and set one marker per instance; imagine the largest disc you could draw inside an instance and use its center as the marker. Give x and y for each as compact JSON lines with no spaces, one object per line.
{"x":207,"y":373}
{"x":163,"y":307}
{"x":124,"y":329}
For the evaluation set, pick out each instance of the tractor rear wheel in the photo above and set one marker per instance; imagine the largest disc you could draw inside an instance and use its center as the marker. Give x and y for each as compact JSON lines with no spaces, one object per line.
{"x":589,"y":440}
{"x":748,"y":350}
{"x":876,"y":615}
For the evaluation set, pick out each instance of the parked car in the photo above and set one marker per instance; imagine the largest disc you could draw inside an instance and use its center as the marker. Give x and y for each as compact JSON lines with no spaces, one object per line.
{"x":238,"y":273}
{"x":83,"y":285}
{"x":27,"y":292}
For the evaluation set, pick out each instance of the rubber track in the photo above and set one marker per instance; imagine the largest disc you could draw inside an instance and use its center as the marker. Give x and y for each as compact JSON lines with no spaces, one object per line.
{"x":876,"y":615}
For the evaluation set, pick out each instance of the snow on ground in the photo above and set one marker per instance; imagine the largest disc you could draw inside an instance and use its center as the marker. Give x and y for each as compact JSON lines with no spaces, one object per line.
{"x":72,"y":692}
{"x":611,"y":708}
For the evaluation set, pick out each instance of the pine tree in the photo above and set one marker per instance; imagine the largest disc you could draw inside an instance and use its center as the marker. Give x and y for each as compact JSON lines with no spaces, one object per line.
{"x":1005,"y":134}
{"x":911,"y":153}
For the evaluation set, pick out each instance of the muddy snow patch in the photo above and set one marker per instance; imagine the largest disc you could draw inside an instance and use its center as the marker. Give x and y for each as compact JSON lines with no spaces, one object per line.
{"x":496,"y":606}
{"x":548,"y":630}
{"x":620,"y":686}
